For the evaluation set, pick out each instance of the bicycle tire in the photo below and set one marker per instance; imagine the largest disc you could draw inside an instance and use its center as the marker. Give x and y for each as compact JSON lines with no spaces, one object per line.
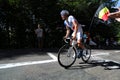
{"x":86,"y":57}
{"x":62,"y":53}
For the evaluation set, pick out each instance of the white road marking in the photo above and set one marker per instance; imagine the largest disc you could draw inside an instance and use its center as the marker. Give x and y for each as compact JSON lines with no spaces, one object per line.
{"x":52,"y":56}
{"x":101,"y":53}
{"x":97,"y":57}
{"x":117,"y":51}
{"x":12,"y":65}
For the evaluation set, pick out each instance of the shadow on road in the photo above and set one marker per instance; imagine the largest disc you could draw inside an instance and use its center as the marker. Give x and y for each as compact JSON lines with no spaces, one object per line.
{"x":108,"y":65}
{"x":12,"y":54}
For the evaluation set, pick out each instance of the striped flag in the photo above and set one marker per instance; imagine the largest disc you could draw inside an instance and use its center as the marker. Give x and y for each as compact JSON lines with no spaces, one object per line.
{"x":102,"y":12}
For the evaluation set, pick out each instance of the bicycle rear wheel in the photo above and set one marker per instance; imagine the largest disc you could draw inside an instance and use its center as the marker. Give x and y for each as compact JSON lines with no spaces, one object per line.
{"x":86,"y":56}
{"x":66,"y":56}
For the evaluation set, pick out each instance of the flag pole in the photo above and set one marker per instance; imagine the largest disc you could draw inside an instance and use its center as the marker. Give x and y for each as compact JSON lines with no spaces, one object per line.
{"x":93,"y":20}
{"x":91,"y":23}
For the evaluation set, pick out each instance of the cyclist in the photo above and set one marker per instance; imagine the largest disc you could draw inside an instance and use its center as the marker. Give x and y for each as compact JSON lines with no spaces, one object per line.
{"x":71,"y":22}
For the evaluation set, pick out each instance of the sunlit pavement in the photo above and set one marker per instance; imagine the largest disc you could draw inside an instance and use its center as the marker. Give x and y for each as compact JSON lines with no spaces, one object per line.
{"x":32,"y":64}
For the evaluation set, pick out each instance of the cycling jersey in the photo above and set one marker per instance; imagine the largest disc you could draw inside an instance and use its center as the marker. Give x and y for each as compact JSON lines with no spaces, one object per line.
{"x":69,"y":23}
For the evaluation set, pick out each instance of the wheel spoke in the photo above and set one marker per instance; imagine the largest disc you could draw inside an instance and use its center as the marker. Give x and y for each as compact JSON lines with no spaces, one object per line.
{"x":65,"y":56}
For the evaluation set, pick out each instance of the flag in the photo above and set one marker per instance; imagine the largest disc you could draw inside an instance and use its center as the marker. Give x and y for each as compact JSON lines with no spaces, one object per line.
{"x":102,"y":12}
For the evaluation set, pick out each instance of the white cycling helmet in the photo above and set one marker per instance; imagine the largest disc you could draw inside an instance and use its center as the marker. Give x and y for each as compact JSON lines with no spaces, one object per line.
{"x":64,"y":12}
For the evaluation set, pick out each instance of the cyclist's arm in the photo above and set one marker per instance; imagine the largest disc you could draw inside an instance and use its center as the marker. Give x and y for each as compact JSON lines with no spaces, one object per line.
{"x":75,"y":23}
{"x":67,"y":32}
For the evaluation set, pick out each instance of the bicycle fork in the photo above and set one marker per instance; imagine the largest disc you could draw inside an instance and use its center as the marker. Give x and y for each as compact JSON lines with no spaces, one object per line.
{"x":69,"y":51}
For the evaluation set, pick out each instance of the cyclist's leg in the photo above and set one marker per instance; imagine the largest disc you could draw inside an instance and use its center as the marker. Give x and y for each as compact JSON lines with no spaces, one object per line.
{"x":80,"y":45}
{"x":79,"y":40}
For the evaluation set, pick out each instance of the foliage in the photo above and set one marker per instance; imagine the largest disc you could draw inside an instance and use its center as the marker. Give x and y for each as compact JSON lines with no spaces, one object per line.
{"x":19,"y":18}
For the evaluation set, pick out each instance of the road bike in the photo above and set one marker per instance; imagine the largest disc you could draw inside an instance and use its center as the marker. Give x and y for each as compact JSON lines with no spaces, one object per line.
{"x":69,"y":52}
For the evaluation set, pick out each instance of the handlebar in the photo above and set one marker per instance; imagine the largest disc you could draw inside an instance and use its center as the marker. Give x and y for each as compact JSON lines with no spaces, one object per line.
{"x":68,"y":40}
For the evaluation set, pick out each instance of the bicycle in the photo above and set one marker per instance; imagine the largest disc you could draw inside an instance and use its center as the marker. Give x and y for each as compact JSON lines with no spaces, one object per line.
{"x":69,"y":52}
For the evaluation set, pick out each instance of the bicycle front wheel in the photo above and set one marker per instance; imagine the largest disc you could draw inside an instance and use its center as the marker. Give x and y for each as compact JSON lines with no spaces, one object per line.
{"x":66,"y":56}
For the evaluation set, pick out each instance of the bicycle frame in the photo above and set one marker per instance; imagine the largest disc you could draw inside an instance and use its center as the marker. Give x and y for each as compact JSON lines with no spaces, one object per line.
{"x":71,"y":53}
{"x":73,"y":44}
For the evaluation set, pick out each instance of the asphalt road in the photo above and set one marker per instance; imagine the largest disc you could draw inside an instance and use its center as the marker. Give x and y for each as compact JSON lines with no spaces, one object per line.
{"x":33,"y":64}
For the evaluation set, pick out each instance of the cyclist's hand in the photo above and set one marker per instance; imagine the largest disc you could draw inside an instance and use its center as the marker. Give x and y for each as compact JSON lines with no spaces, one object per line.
{"x":65,"y":37}
{"x":73,"y":37}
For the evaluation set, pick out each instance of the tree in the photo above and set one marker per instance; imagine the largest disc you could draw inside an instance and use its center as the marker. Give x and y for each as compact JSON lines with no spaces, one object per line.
{"x":19,"y":18}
